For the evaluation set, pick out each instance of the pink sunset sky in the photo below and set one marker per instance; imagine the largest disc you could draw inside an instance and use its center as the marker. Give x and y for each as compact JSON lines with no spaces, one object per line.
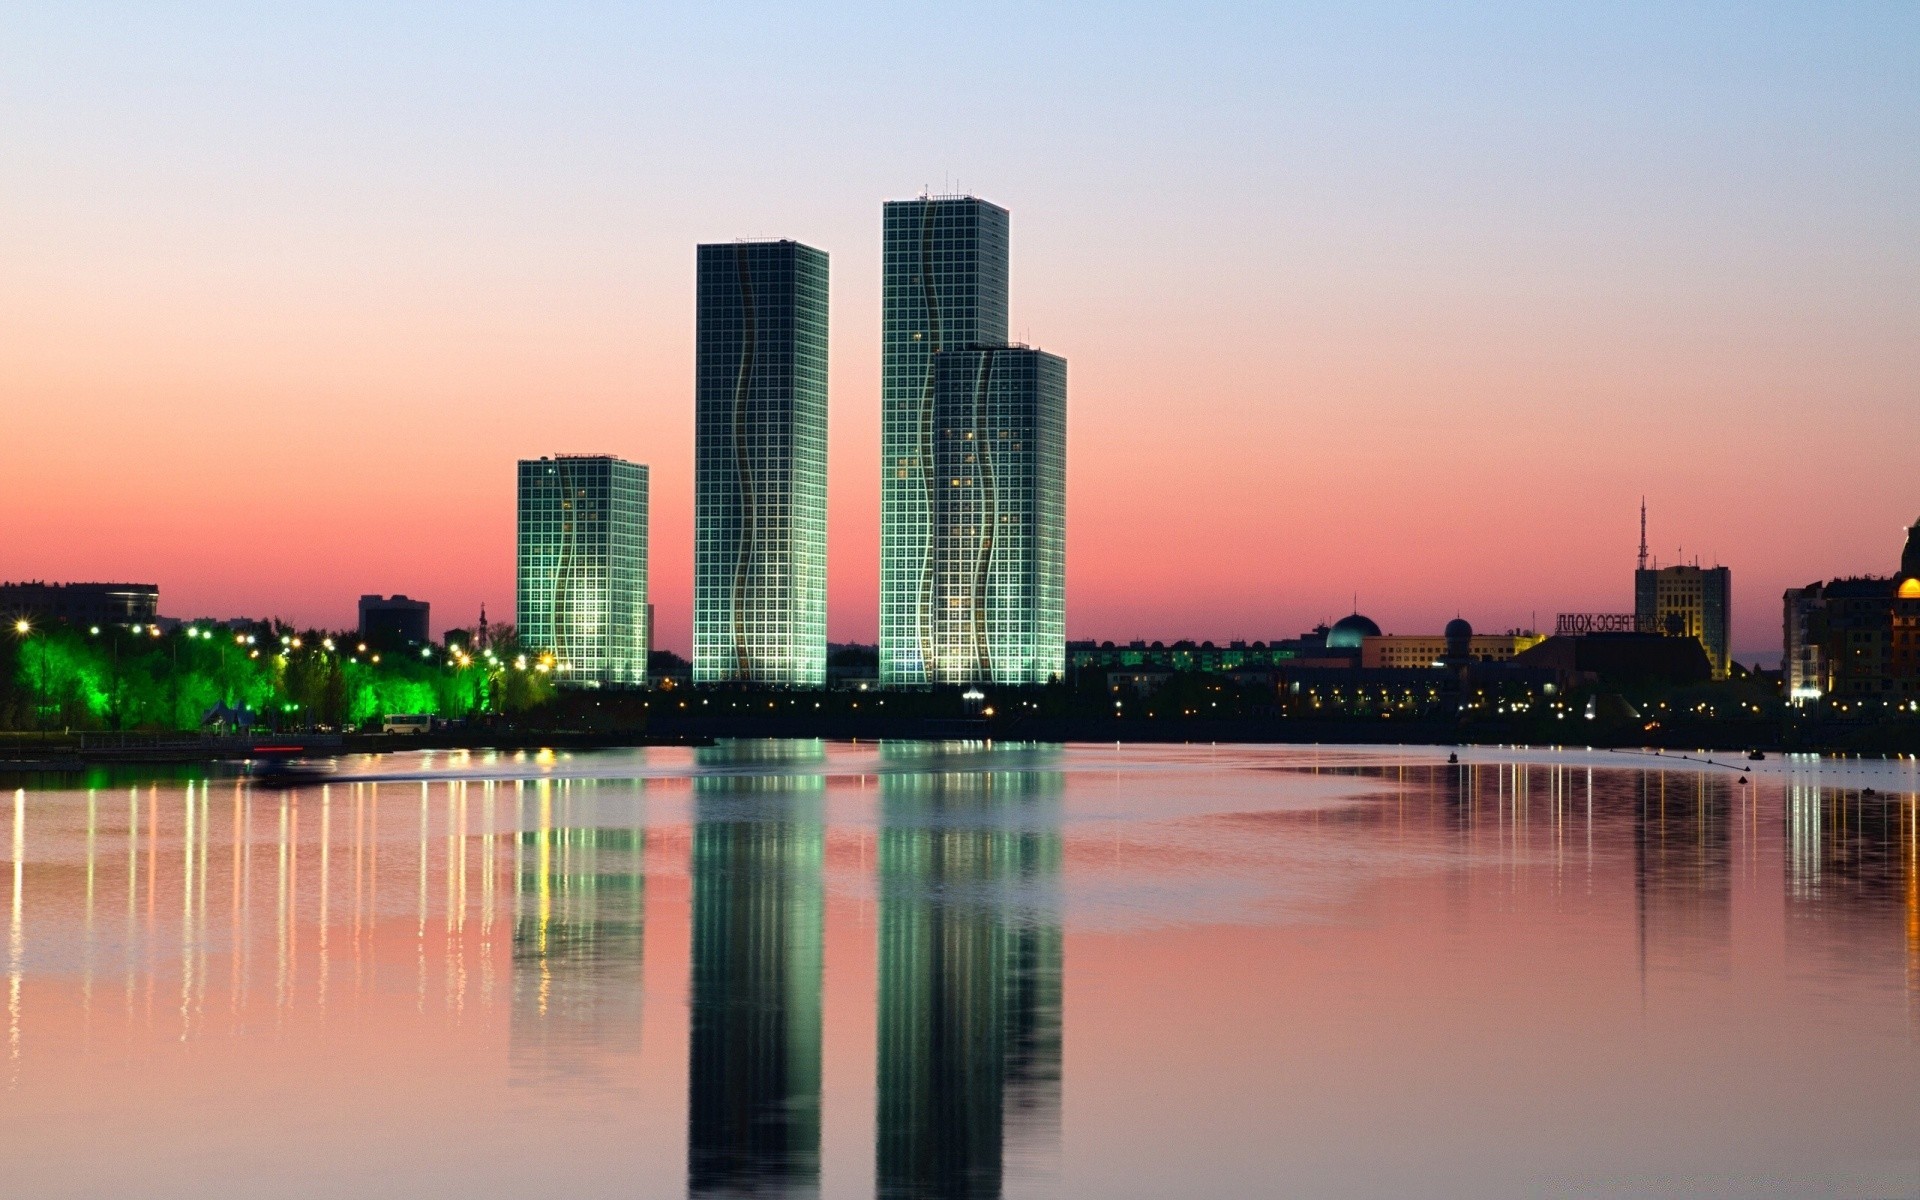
{"x":1413,"y":305}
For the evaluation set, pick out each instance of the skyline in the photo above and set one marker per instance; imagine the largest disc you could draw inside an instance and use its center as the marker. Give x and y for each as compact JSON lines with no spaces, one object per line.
{"x":1413,"y":306}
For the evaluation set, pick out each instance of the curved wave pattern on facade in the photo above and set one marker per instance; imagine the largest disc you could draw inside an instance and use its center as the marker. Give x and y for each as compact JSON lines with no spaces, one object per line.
{"x":999,"y":461}
{"x":943,"y":285}
{"x":753,"y":1076}
{"x":760,"y":465}
{"x":970,"y":962}
{"x":581,"y":571}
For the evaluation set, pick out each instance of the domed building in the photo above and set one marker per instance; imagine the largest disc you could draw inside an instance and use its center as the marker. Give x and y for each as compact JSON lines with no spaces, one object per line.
{"x":1459,"y":637}
{"x":1909,"y":576}
{"x":1827,"y":624}
{"x":1349,"y":631}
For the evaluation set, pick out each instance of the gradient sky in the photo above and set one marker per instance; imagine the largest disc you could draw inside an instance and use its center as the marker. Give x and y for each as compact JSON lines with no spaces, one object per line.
{"x":1409,"y":302}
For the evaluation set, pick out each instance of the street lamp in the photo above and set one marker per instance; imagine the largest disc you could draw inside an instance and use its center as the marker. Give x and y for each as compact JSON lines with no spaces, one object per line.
{"x":21,"y":628}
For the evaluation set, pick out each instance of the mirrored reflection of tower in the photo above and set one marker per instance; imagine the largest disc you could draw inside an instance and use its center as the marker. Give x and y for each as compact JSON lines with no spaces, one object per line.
{"x":760,"y":465}
{"x":969,"y":971}
{"x":943,"y":285}
{"x":578,"y":934}
{"x":753,"y":1093}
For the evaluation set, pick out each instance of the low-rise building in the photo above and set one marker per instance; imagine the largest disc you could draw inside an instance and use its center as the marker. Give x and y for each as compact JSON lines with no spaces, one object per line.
{"x":1430,"y":650}
{"x":82,"y":604}
{"x":393,"y":622}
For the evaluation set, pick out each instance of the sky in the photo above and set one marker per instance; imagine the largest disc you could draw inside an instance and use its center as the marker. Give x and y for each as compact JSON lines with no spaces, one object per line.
{"x":1403,"y":304}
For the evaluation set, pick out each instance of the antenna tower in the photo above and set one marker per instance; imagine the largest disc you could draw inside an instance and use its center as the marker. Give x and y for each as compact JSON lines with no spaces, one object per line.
{"x":1643,"y":533}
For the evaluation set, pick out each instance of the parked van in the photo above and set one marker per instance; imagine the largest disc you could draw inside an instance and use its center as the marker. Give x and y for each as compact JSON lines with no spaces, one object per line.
{"x":407,"y":723}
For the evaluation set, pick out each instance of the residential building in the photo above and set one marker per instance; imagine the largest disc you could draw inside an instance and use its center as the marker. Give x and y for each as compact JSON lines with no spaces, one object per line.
{"x":1839,"y":640}
{"x":394,"y":622}
{"x":581,"y":574}
{"x":760,"y":465}
{"x":943,"y":286}
{"x":999,"y":427}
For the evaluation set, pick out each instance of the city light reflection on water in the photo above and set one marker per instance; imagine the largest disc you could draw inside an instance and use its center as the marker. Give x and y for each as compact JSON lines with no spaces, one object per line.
{"x":798,"y":968}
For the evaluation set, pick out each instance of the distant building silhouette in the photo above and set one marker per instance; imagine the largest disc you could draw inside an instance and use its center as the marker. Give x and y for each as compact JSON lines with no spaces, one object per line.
{"x":82,"y":604}
{"x":394,"y":622}
{"x":1855,"y":642}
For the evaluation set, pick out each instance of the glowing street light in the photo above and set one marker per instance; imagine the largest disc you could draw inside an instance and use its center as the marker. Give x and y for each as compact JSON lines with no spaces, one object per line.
{"x":23,"y":627}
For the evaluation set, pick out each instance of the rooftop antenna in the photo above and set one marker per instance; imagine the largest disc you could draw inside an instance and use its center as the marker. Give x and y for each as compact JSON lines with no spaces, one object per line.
{"x":1643,"y":533}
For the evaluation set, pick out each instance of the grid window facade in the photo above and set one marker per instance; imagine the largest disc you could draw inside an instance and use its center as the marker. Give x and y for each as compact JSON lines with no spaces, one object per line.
{"x":1694,"y":602}
{"x":944,"y":286}
{"x":760,"y":465}
{"x":581,"y":568}
{"x":999,"y":515}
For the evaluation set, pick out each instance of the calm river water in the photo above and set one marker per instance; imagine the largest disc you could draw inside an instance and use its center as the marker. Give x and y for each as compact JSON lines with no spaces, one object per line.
{"x":797,"y":968}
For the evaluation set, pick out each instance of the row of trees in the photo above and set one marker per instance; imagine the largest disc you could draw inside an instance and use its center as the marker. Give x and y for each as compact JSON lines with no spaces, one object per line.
{"x":55,"y":676}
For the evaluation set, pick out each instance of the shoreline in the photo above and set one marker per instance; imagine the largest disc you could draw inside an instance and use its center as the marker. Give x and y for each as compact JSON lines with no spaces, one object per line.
{"x":74,"y":753}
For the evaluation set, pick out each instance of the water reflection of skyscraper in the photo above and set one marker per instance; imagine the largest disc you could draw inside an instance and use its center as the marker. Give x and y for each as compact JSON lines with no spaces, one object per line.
{"x":969,"y":971}
{"x":753,"y":1093}
{"x":578,"y":935}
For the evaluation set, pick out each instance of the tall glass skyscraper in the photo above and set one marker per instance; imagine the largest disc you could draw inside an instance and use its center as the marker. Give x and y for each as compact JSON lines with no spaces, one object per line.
{"x":581,"y":578}
{"x":999,"y":435}
{"x":944,"y":285}
{"x":760,"y":465}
